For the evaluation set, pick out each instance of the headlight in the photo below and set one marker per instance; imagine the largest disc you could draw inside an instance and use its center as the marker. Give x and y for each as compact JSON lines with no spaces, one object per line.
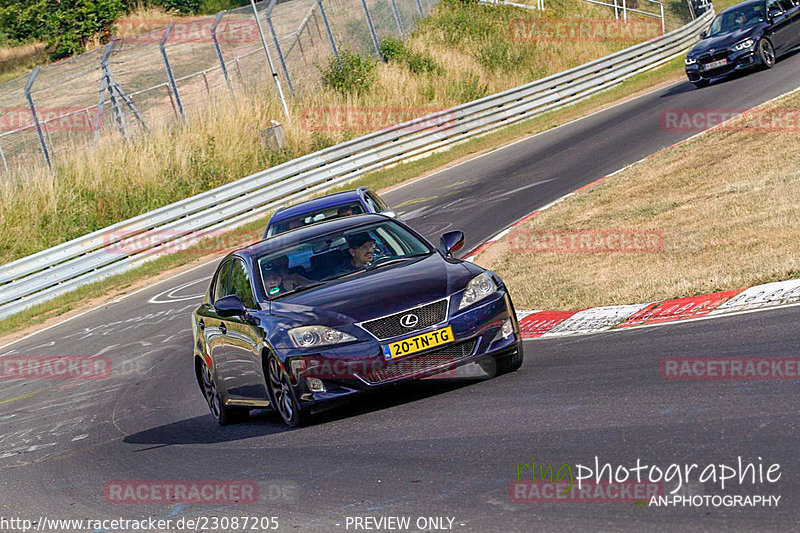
{"x":477,"y":289}
{"x":690,"y":61}
{"x":744,"y":45}
{"x":313,"y":336}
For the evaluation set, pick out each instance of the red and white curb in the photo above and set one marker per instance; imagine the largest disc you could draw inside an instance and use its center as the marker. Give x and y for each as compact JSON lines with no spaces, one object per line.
{"x":547,"y":324}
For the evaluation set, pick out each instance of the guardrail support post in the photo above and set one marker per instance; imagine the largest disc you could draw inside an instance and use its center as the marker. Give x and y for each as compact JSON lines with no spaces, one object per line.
{"x":269,"y":61}
{"x":218,"y":50}
{"x":372,"y":33}
{"x":172,"y":85}
{"x":35,"y":116}
{"x":397,"y":19}
{"x":328,"y":29}
{"x":278,"y":46}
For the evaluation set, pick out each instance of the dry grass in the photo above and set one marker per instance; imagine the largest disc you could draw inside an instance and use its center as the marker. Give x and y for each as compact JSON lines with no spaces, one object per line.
{"x":725,"y":203}
{"x":93,"y":188}
{"x":17,"y":60}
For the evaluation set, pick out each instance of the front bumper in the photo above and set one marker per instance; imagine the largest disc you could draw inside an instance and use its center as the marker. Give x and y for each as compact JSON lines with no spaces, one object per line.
{"x":360,"y":366}
{"x":737,"y":61}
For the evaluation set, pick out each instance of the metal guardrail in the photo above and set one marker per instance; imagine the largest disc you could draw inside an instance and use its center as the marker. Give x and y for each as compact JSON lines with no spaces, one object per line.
{"x":47,"y":274}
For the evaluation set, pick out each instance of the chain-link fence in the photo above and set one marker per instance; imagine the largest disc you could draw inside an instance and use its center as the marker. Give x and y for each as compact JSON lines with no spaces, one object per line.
{"x":141,"y":79}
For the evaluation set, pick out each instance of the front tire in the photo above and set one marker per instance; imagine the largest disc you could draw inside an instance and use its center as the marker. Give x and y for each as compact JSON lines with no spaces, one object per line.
{"x":281,"y":393}
{"x":766,"y":53}
{"x":511,"y":363}
{"x":223,"y":414}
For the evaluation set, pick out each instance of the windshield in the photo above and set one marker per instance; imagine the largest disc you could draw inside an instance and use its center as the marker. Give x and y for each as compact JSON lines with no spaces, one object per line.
{"x":335,"y":255}
{"x":738,"y":18}
{"x":336,"y":211}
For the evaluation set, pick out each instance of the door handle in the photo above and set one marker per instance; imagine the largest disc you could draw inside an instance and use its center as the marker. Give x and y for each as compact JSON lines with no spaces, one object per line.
{"x":201,"y":324}
{"x":223,"y":328}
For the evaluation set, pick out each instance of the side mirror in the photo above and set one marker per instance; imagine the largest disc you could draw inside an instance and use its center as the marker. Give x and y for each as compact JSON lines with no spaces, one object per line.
{"x":452,"y":241}
{"x":230,"y":306}
{"x":390,"y":214}
{"x":703,"y":34}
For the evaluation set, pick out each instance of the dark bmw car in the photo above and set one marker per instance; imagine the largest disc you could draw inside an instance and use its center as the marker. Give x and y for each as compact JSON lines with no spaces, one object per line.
{"x":305,"y":319}
{"x":745,"y":36}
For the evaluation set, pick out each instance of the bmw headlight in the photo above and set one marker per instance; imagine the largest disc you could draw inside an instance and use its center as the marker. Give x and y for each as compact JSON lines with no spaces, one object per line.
{"x":313,"y":336}
{"x":690,"y":60}
{"x":744,"y":45}
{"x":477,"y":289}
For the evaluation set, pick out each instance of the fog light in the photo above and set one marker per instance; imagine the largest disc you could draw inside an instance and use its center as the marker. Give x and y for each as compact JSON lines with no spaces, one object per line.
{"x":508,"y":329}
{"x":315,"y":385}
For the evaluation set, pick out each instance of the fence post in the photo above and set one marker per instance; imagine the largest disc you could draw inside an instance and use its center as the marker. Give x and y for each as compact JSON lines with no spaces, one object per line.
{"x":419,"y":7}
{"x":170,"y":78}
{"x":372,"y":33}
{"x":36,"y":123}
{"x":269,"y":60}
{"x":624,"y":12}
{"x":3,"y":156}
{"x":662,"y":18}
{"x":218,"y":50}
{"x":616,"y":10}
{"x":328,"y":29}
{"x":397,"y":19}
{"x":278,"y":45}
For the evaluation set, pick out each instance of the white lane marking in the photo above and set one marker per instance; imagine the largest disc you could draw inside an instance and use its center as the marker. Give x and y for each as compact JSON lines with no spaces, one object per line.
{"x":534,"y":184}
{"x":623,"y":102}
{"x":170,"y":293}
{"x":123,"y":297}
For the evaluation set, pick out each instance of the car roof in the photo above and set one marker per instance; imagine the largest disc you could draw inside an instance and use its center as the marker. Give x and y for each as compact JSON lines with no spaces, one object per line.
{"x":317,"y":204}
{"x":740,"y":5}
{"x":308,"y":232}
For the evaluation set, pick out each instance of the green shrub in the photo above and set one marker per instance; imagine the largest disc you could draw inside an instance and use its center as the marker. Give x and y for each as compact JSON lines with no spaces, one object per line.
{"x":351,"y":74}
{"x":184,"y":7}
{"x":65,"y":25}
{"x":393,"y":49}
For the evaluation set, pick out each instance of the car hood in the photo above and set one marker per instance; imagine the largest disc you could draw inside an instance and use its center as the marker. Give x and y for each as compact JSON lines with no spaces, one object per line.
{"x":724,"y":40}
{"x":367,"y":295}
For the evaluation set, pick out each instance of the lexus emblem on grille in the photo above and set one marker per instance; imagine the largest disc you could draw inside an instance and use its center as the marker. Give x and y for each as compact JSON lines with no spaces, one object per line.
{"x":409,"y":321}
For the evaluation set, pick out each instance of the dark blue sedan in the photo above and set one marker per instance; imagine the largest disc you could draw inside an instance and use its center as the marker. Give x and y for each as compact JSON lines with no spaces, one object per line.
{"x":748,"y":35}
{"x":303,"y":320}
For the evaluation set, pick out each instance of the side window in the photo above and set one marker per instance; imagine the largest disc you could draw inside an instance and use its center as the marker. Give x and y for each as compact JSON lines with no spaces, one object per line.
{"x":786,"y":4}
{"x":373,"y":207}
{"x":222,"y":282}
{"x":772,"y":5}
{"x":240,"y":284}
{"x":378,"y":202}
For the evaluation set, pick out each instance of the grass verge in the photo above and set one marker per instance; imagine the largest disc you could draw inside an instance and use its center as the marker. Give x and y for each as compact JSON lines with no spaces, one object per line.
{"x":724,"y":205}
{"x":97,"y":293}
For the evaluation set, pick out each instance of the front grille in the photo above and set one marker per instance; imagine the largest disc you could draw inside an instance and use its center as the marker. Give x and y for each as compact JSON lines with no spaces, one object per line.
{"x":389,"y":326}
{"x":716,"y":56}
{"x":443,"y":357}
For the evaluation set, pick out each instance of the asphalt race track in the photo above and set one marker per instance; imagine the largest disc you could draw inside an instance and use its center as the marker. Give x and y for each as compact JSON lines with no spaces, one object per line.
{"x":435,"y":448}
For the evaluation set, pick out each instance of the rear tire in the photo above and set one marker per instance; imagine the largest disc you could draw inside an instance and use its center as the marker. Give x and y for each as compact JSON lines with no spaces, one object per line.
{"x":766,"y":54}
{"x":281,"y":393}
{"x":223,"y":414}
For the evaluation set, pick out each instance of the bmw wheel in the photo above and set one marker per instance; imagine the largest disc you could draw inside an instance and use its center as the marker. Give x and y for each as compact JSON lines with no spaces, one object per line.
{"x":281,"y":393}
{"x":222,"y":413}
{"x":766,"y":53}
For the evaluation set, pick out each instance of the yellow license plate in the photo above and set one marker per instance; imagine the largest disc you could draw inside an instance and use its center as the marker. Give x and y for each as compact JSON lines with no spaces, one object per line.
{"x":418,"y":343}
